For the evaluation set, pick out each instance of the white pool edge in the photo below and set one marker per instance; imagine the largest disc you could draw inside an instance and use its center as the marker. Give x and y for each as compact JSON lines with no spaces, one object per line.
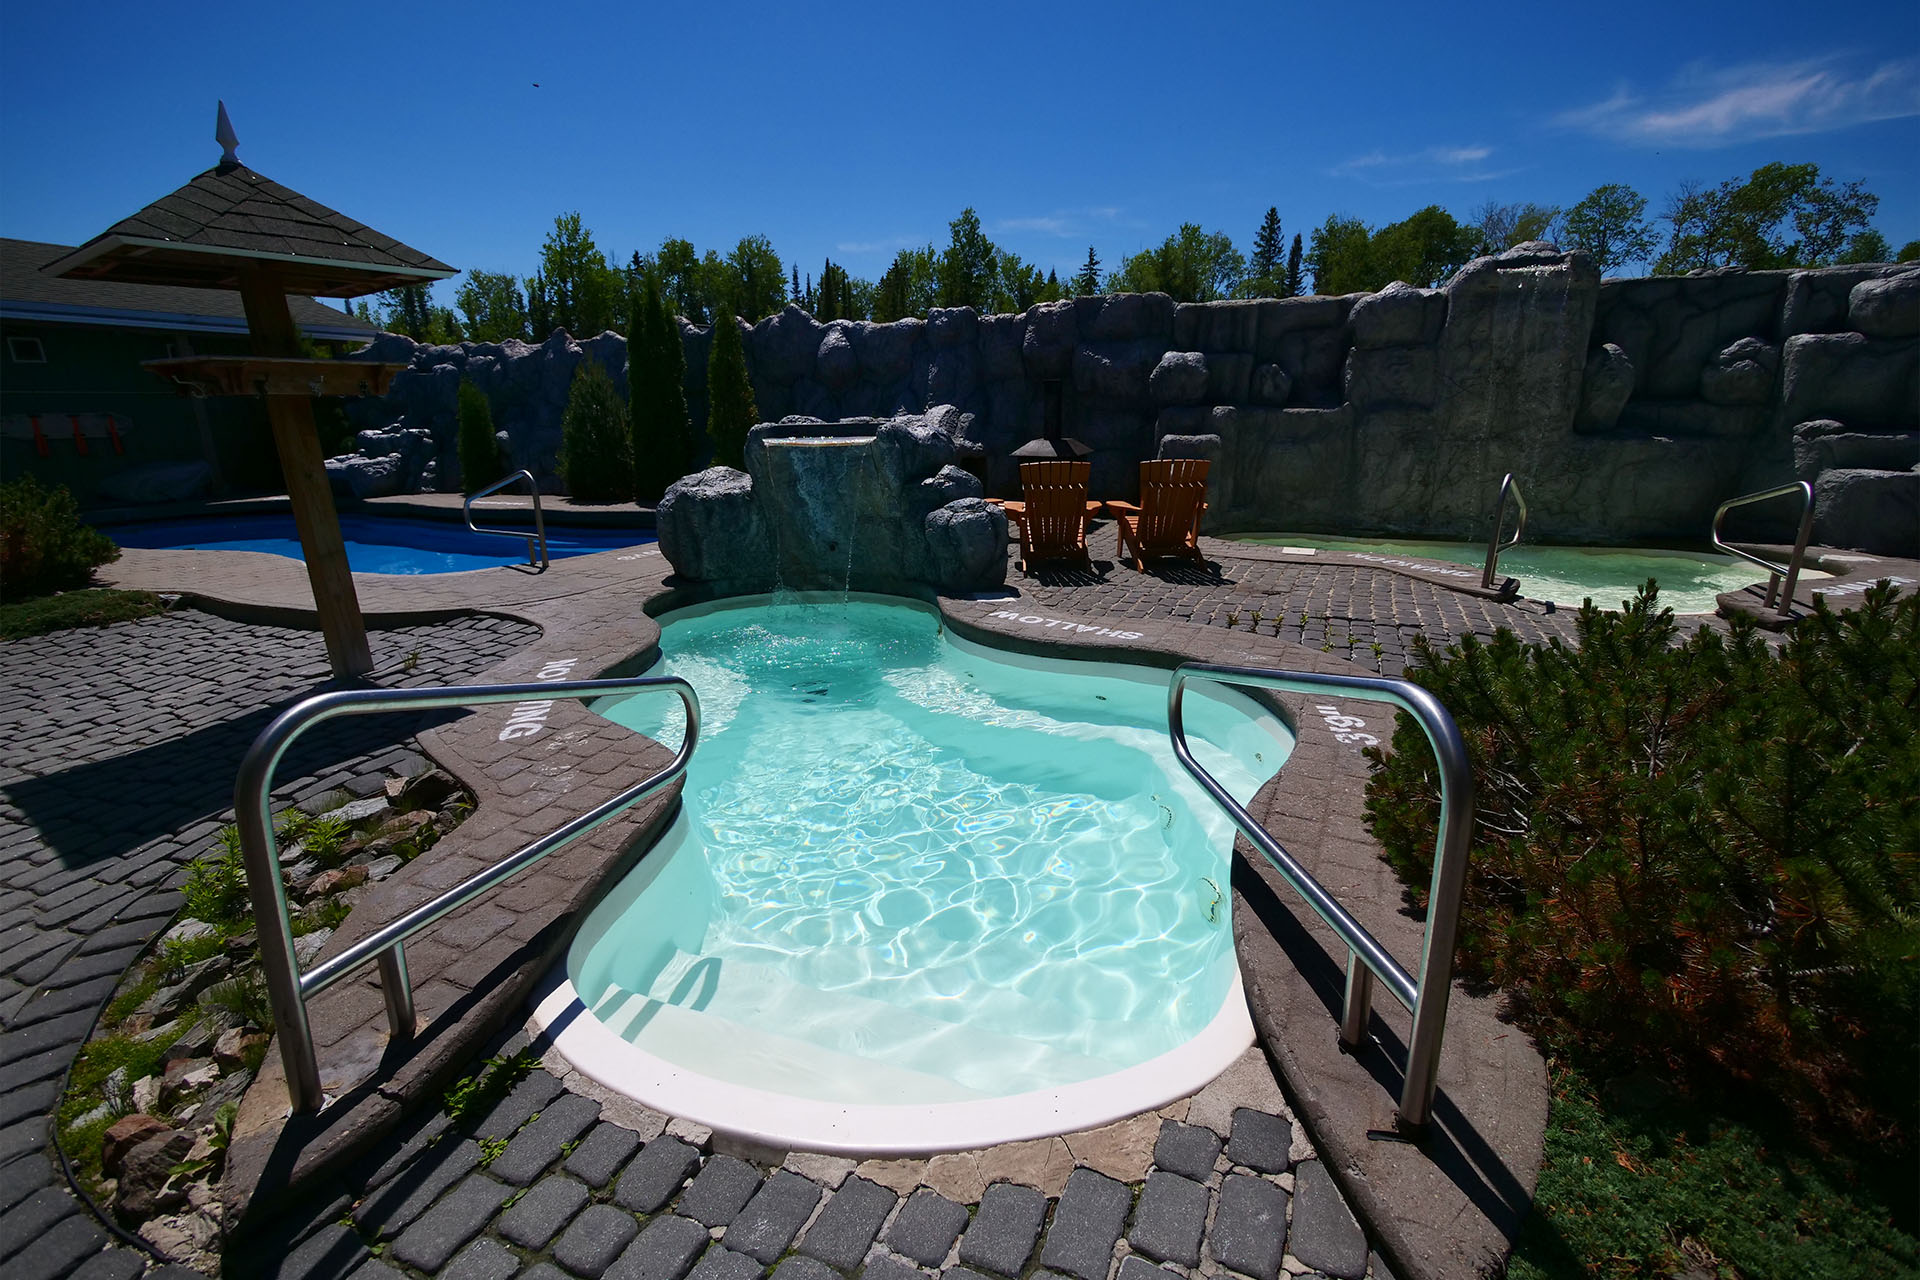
{"x":805,"y":1124}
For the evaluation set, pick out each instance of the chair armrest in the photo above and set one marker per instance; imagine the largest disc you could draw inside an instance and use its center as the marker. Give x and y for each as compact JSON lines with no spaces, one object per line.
{"x":1120,"y":508}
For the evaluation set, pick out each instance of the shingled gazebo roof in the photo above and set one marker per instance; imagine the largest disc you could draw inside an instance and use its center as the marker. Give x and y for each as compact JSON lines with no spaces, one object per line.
{"x":230,"y":217}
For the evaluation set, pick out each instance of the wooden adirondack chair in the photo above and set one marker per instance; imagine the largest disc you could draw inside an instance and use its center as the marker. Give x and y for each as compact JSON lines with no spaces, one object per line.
{"x":1173,"y":497}
{"x":1052,"y":515}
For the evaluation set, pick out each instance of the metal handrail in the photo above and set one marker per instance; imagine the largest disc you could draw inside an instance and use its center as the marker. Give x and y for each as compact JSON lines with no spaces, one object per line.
{"x":539,"y":521}
{"x":1792,"y":567}
{"x":287,"y":987}
{"x":1508,"y":486}
{"x":1427,"y":997}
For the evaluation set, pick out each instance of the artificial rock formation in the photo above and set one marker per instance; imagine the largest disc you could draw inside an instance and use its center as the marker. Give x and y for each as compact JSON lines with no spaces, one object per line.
{"x":1628,"y":409}
{"x":867,"y":504}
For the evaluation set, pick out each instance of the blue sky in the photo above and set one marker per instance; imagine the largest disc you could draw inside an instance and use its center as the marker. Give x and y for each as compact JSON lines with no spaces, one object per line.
{"x":850,"y":131}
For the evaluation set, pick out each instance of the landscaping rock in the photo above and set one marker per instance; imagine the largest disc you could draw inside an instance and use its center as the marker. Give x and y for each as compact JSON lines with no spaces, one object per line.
{"x":712,"y":530}
{"x":235,"y":1044}
{"x":308,"y":946}
{"x":184,"y":1075}
{"x":123,"y":1135}
{"x":1741,"y":374}
{"x":327,"y":883}
{"x":355,"y":812}
{"x":170,"y":1000}
{"x":146,"y":1094}
{"x":429,"y":790}
{"x":188,"y":931}
{"x":144,"y":1173}
{"x":967,"y":542}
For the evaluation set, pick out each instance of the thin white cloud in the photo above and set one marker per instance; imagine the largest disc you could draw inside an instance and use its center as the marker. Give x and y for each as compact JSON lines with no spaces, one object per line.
{"x":1430,"y":164}
{"x":1708,"y":107}
{"x":1053,"y":226}
{"x":876,"y":246}
{"x":1064,"y":223}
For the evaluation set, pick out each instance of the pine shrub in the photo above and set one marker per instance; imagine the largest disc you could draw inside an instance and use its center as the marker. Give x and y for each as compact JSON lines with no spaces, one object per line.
{"x":1698,"y":853}
{"x":596,"y":455}
{"x":479,"y":450}
{"x":731,"y":412}
{"x":44,"y":546}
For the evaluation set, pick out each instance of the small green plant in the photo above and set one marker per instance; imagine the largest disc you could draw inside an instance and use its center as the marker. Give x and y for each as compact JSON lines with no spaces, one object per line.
{"x":1233,"y":620}
{"x":44,"y":545}
{"x":596,"y":454}
{"x":245,"y":998}
{"x":491,"y":1149}
{"x":470,"y":1096}
{"x":1255,"y":620}
{"x":324,"y":914}
{"x":123,"y":1004}
{"x":217,"y":1141}
{"x":176,"y":955}
{"x":216,"y":887}
{"x":411,"y":661}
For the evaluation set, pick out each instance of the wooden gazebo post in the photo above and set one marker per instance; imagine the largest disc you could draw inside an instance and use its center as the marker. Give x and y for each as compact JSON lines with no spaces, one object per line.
{"x":270,"y":324}
{"x":230,"y":228}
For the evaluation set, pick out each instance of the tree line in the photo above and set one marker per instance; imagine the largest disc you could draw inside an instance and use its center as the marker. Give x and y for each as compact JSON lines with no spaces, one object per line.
{"x":1780,"y":215}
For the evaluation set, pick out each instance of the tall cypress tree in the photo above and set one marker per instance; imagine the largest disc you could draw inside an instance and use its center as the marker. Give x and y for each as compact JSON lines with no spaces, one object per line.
{"x":656,"y":446}
{"x":670,"y":365}
{"x":798,"y":296}
{"x":731,"y":412}
{"x":479,"y":451}
{"x":1293,"y":268}
{"x":1087,"y":282}
{"x":596,"y":449}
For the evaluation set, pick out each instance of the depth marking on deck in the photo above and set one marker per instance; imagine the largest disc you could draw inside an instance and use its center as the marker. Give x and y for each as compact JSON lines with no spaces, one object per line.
{"x":1036,"y":620}
{"x":529,"y":718}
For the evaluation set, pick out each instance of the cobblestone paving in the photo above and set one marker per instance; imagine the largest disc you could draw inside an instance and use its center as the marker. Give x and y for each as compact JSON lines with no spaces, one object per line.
{"x":1367,"y":615}
{"x":545,"y":1186}
{"x":116,"y":768}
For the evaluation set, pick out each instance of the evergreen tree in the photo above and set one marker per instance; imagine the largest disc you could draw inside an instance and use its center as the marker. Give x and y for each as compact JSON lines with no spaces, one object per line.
{"x":1293,"y":283}
{"x":479,"y":451}
{"x":596,"y":453}
{"x":731,"y":412}
{"x":669,"y":365}
{"x":1087,"y":282}
{"x":804,"y":299}
{"x":829,"y":308}
{"x":1266,"y":277}
{"x":967,"y":267}
{"x":659,"y":442}
{"x":1052,"y":292}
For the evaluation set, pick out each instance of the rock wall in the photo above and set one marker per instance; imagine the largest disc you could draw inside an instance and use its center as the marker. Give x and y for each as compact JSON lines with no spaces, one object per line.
{"x":1628,"y":409}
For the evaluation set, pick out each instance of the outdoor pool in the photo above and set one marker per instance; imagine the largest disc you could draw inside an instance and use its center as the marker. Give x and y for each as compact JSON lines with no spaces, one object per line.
{"x":921,"y":894}
{"x":1689,"y":581}
{"x":375,"y":544}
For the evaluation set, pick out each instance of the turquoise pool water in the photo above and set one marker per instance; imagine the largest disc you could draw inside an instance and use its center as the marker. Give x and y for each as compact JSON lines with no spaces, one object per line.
{"x":375,"y":544}
{"x":910,"y":869}
{"x":1689,"y":582}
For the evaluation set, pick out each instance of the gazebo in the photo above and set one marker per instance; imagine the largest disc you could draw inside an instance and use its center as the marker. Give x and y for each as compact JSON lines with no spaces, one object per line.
{"x":231,"y":228}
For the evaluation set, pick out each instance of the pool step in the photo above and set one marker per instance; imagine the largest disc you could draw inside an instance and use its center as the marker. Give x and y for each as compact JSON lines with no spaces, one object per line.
{"x":836,"y":1032}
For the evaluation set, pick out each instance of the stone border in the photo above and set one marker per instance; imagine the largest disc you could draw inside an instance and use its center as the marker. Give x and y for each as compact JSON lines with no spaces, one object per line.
{"x":1430,"y":1217}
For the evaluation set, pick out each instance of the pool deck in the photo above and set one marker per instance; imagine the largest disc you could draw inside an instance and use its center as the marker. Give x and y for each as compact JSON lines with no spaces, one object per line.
{"x":1445,"y":1208}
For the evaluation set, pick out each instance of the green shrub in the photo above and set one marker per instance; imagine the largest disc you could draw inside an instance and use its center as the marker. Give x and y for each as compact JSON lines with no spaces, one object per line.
{"x":595,"y":454}
{"x":1696,"y":854}
{"x":43,"y":544}
{"x":92,"y":607}
{"x":479,"y":451}
{"x":731,"y":412}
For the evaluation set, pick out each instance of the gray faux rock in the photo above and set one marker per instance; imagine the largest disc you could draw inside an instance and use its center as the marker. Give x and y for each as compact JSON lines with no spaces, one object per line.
{"x":967,"y":541}
{"x":1605,"y":387}
{"x":1876,"y":511}
{"x":1398,"y":315}
{"x":1180,"y":378}
{"x":1887,"y":307}
{"x":712,"y":530}
{"x":1742,"y":373}
{"x":836,"y":363}
{"x":1270,"y":385}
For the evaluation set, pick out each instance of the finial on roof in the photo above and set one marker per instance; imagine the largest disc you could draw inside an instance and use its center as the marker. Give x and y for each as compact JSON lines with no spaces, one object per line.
{"x":224,"y":135}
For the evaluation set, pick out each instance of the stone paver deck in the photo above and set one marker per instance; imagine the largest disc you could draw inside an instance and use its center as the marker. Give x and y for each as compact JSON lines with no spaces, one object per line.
{"x":594,"y":1181}
{"x":116,"y":771}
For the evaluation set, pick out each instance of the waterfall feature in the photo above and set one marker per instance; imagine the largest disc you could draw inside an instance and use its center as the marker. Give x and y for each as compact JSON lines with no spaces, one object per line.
{"x":817,"y":485}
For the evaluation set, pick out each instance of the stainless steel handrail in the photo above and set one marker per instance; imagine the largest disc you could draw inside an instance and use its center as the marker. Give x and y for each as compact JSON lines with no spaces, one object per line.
{"x":539,"y":536}
{"x":1508,"y":485}
{"x":287,"y":987}
{"x":1792,"y":567}
{"x":1427,"y":997}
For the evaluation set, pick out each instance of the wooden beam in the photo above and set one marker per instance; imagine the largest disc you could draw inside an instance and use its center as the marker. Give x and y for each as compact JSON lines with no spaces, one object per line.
{"x":270,"y":323}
